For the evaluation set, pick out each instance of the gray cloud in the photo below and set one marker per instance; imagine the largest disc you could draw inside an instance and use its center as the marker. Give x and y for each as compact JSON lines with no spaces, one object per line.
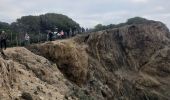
{"x":88,"y":12}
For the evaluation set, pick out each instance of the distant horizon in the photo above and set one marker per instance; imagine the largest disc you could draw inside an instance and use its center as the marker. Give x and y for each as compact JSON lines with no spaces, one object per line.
{"x":88,"y":13}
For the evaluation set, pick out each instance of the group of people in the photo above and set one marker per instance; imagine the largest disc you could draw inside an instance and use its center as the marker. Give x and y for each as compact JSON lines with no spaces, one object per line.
{"x":54,"y":35}
{"x":50,"y":36}
{"x":3,"y":40}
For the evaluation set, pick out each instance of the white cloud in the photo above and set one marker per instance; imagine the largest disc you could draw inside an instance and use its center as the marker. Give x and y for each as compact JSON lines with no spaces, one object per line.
{"x":88,"y":12}
{"x":140,"y":1}
{"x":159,"y":8}
{"x":159,"y":17}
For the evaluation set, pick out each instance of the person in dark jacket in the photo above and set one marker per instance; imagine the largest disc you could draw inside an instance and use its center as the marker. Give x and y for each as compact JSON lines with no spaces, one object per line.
{"x":3,"y":39}
{"x":50,"y":36}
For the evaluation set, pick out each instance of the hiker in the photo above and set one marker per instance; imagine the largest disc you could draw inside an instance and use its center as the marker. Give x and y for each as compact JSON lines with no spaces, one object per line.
{"x":62,"y":34}
{"x":55,"y":35}
{"x":50,"y":36}
{"x":27,"y":39}
{"x":47,"y":36}
{"x":70,"y":32}
{"x":3,"y":39}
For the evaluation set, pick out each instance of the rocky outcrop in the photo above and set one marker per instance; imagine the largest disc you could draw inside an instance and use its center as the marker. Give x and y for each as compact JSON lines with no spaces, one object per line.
{"x":70,"y":57}
{"x":25,"y":75}
{"x":131,"y":62}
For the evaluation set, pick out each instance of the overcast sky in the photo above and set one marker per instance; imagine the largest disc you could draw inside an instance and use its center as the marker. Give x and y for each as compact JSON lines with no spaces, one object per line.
{"x":88,"y":13}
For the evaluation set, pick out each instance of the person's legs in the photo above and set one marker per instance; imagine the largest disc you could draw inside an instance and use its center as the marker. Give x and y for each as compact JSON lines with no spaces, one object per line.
{"x":5,"y":44}
{"x":50,"y":38}
{"x":28,"y":42}
{"x":1,"y":44}
{"x":25,"y":42}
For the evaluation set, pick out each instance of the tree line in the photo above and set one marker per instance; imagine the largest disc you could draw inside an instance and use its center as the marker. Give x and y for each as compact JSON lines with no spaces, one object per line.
{"x":135,"y":20}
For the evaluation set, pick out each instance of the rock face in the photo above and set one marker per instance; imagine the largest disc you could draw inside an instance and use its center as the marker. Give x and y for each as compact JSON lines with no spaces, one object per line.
{"x":126,"y":63}
{"x":134,"y":61}
{"x":31,"y":77}
{"x":70,"y":57}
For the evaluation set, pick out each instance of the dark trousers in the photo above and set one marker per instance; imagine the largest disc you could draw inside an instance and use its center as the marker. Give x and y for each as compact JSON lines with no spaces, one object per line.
{"x":50,"y":39}
{"x":3,"y":43}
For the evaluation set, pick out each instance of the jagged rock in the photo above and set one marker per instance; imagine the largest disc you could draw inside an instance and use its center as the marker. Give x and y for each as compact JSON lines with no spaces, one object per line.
{"x":12,"y":82}
{"x":70,"y":58}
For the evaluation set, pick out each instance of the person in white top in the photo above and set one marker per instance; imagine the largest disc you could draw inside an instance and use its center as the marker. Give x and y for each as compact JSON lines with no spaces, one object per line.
{"x":27,"y":39}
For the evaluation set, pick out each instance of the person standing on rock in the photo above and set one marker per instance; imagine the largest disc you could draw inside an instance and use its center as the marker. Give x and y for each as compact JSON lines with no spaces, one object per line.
{"x":27,"y":39}
{"x":62,"y":33}
{"x":3,"y":40}
{"x":50,"y":36}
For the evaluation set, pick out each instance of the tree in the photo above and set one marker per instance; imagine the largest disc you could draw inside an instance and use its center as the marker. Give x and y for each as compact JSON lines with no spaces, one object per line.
{"x":4,"y":26}
{"x":135,"y":20}
{"x":29,"y":24}
{"x":49,"y":21}
{"x":99,"y":27}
